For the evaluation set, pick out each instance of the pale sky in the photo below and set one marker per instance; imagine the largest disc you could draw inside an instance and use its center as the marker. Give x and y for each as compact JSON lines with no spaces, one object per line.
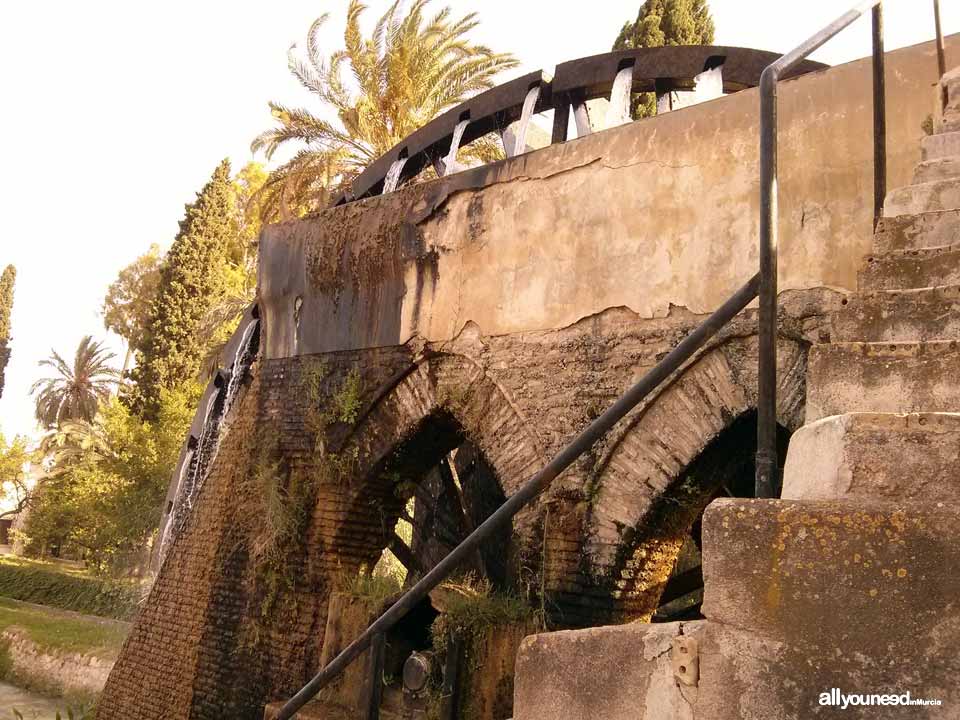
{"x":116,"y":113}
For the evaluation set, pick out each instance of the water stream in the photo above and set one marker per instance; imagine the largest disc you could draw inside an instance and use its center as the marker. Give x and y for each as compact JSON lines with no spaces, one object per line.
{"x":197,"y":462}
{"x":518,"y":130}
{"x":392,"y":179}
{"x":450,"y":164}
{"x":619,"y":111}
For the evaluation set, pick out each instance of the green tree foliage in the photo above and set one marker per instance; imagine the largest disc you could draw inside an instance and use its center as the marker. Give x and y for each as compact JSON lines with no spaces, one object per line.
{"x":126,"y":307}
{"x":75,"y":391}
{"x":662,"y":23}
{"x":14,"y":481}
{"x":195,"y":275}
{"x":412,"y":68}
{"x":7,"y":280}
{"x":104,"y":501}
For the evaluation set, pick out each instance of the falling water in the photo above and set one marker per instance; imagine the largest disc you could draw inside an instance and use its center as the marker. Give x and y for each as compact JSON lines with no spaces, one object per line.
{"x":184,"y":466}
{"x":708,"y":85}
{"x":619,"y":111}
{"x":392,"y":179}
{"x":450,"y":165}
{"x":197,"y":462}
{"x":519,"y":129}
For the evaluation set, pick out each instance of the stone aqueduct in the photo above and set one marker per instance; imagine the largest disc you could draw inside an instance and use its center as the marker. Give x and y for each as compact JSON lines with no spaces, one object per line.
{"x":496,"y":311}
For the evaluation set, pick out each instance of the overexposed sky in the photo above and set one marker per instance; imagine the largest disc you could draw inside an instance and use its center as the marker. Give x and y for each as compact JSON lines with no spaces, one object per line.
{"x":114,"y":114}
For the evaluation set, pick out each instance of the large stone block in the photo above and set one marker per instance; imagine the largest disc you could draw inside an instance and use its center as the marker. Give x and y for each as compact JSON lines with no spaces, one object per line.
{"x":879,"y":456}
{"x":822,"y":595}
{"x":899,"y":316}
{"x":907,"y":232}
{"x":924,"y":197}
{"x":941,"y":168}
{"x":941,"y":145}
{"x":883,"y":377}
{"x":621,"y":672}
{"x":905,"y":269}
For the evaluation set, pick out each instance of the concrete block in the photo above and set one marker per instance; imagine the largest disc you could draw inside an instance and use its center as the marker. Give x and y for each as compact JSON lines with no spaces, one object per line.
{"x":925,"y":197}
{"x":906,"y":269}
{"x":941,"y":168}
{"x":620,"y":672}
{"x":829,"y":594}
{"x":908,"y":232}
{"x":877,"y":456}
{"x":882,"y":377}
{"x":942,"y":145}
{"x":899,"y":316}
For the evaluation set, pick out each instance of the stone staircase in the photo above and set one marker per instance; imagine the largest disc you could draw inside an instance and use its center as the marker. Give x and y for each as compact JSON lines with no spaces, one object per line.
{"x":852,"y":579}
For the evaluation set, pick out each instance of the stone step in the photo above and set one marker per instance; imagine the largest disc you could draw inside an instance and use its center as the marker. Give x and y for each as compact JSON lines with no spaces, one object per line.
{"x":913,"y":232}
{"x":621,"y":672}
{"x":943,"y":168}
{"x":899,"y":316}
{"x":803,"y":597}
{"x":883,"y":377}
{"x":906,"y":269}
{"x":876,"y":456}
{"x":924,"y":197}
{"x":939,"y":146}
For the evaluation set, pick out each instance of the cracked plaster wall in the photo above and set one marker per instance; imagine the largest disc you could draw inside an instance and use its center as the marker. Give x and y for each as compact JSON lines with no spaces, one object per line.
{"x":656,"y":213}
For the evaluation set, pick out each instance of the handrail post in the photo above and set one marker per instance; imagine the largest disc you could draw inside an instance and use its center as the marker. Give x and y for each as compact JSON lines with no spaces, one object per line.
{"x":879,"y":117}
{"x":941,"y":49}
{"x":766,"y":463}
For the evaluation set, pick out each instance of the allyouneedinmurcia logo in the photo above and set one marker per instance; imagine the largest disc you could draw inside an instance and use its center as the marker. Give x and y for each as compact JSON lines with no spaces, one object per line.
{"x":838,"y":699}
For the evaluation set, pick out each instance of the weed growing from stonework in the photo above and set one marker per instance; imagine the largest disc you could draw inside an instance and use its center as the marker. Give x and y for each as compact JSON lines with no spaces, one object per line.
{"x":471,"y":608}
{"x":347,"y":401}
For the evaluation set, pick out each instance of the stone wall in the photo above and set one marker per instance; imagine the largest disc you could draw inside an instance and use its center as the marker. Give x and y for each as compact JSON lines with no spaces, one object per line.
{"x":238,"y":612}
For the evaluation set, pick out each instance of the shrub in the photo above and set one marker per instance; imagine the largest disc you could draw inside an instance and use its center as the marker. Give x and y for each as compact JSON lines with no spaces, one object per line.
{"x":44,"y":584}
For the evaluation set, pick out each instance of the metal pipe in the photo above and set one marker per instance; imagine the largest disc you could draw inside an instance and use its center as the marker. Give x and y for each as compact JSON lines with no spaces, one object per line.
{"x":879,"y":117}
{"x":766,"y":463}
{"x":766,"y":479}
{"x":941,"y":49}
{"x":815,"y":41}
{"x":529,"y":491}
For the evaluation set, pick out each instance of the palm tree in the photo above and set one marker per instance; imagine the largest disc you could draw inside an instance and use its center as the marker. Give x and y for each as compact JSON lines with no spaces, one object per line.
{"x":75,"y":392}
{"x":406,"y":73}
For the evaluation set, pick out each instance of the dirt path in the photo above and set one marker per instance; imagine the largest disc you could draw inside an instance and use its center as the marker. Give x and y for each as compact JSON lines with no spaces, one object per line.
{"x":32,"y":706}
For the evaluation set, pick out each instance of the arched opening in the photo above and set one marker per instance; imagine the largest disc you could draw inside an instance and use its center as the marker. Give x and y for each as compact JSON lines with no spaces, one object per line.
{"x":434,"y":489}
{"x":725,"y":468}
{"x":424,"y":496}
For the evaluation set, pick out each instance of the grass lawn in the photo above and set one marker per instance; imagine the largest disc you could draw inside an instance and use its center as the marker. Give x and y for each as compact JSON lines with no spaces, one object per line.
{"x":59,"y":630}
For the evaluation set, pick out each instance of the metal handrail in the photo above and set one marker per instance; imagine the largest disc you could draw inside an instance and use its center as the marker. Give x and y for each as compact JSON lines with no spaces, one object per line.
{"x":582,"y":443}
{"x":766,"y":463}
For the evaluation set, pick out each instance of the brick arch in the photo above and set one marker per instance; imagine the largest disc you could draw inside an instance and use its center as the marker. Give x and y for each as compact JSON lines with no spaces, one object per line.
{"x":440,"y":401}
{"x":646,"y":460}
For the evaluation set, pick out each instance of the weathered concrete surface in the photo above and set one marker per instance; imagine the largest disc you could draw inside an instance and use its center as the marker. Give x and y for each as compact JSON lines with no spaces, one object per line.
{"x":934,"y":196}
{"x":909,"y":232}
{"x":899,"y":316}
{"x":942,"y":168}
{"x":941,"y":145}
{"x":903,"y":269}
{"x":897,"y":458}
{"x":881,"y":377}
{"x":794,"y":591}
{"x":652,"y":214}
{"x":621,"y":672}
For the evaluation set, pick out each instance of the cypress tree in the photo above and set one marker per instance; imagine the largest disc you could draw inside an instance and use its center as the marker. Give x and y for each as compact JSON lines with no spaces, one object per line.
{"x":7,"y":280}
{"x":662,"y":23}
{"x":191,"y":281}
